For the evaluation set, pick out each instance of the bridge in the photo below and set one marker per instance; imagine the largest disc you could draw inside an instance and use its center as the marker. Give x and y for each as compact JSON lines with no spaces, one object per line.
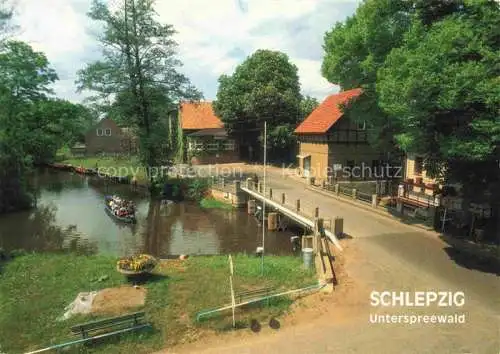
{"x":304,"y":214}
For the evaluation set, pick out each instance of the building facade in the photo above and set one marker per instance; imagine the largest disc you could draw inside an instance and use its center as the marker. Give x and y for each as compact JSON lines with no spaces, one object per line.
{"x":205,"y":139}
{"x":106,"y":137}
{"x":332,"y":146}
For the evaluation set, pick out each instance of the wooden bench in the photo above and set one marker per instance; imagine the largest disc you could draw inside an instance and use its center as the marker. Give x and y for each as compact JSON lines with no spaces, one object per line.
{"x":111,"y":326}
{"x":102,"y":329}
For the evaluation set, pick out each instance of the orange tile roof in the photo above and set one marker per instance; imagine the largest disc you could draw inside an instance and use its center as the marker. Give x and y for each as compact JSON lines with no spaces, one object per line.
{"x":327,"y":113}
{"x":198,"y":115}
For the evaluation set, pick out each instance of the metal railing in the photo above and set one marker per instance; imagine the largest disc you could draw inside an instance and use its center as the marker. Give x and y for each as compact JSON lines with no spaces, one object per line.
{"x":299,"y":206}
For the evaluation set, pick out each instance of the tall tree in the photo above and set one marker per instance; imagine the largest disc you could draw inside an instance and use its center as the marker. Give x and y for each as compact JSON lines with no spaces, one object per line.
{"x":356,"y":49}
{"x":6,"y":27}
{"x":26,"y":79}
{"x":307,"y":105}
{"x":442,"y":86}
{"x":138,"y":59}
{"x":265,"y":87}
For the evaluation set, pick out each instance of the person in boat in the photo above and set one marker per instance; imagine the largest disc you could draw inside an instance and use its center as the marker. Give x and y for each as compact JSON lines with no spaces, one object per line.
{"x":122,"y":212}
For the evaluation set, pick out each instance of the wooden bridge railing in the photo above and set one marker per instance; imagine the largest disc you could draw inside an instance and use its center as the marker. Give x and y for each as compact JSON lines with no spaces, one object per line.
{"x":302,"y":207}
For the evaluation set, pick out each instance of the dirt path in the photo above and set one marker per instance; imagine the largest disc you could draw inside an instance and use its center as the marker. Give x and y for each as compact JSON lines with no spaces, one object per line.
{"x":384,"y":255}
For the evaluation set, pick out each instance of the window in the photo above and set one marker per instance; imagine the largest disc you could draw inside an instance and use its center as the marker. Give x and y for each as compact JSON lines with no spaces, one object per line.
{"x":212,"y":146}
{"x":195,"y":145}
{"x":107,"y":132}
{"x":419,"y":166}
{"x":229,"y":145}
{"x":99,"y":132}
{"x":362,"y":125}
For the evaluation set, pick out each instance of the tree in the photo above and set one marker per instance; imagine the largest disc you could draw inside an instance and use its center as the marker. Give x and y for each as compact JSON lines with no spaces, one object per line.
{"x":26,"y":77}
{"x":356,"y":49}
{"x":307,"y":105}
{"x":265,"y":87}
{"x":5,"y":20}
{"x":442,"y":86}
{"x":138,"y":60}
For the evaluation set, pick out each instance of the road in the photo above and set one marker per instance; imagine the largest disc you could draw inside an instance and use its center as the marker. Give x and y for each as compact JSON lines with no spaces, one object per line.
{"x":383,"y":255}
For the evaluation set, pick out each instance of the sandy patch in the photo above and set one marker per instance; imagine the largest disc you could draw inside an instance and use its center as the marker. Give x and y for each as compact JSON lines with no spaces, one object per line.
{"x":115,"y":301}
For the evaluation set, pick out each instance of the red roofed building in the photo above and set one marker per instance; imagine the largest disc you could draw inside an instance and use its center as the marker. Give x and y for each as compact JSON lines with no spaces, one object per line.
{"x":205,"y":139}
{"x":330,"y":140}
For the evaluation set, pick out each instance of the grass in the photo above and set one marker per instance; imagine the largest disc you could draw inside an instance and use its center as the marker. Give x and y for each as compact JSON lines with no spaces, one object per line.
{"x":211,"y":203}
{"x":34,"y":289}
{"x":117,"y":166}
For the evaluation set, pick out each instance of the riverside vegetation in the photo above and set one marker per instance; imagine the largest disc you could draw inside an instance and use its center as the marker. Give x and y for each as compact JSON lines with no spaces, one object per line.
{"x":35,"y":288}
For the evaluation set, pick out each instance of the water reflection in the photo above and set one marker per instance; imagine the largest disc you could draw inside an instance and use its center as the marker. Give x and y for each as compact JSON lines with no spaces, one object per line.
{"x":45,"y":235}
{"x":70,"y":215}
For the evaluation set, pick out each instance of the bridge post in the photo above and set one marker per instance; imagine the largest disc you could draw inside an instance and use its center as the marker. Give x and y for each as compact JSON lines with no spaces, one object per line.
{"x":337,"y":189}
{"x":272,"y":221}
{"x":282,"y":198}
{"x":223,"y":181}
{"x":251,"y":206}
{"x":248,"y":183}
{"x":316,"y":212}
{"x":270,"y":193}
{"x":338,"y":227}
{"x":374,"y":200}
{"x":298,"y":204}
{"x":354,"y":193}
{"x":259,"y":187}
{"x":399,"y":206}
{"x":318,"y":226}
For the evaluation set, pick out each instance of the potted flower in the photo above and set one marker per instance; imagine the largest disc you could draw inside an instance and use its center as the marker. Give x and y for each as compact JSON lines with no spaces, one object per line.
{"x":418,"y":181}
{"x":409,"y":180}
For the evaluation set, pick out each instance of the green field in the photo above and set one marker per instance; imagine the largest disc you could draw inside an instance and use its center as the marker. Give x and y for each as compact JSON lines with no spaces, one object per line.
{"x":34,"y":289}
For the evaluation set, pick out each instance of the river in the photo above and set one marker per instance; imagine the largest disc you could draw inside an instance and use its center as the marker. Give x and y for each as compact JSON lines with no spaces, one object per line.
{"x":70,"y":216}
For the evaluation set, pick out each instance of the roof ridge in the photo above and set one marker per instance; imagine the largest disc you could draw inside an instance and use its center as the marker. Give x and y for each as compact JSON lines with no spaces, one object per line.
{"x":323,"y":117}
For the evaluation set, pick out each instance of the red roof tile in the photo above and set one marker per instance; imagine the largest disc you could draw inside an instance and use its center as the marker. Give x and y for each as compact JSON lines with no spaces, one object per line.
{"x":199,"y":115}
{"x":327,"y":113}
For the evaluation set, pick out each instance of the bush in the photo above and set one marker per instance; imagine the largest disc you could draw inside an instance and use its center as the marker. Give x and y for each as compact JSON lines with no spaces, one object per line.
{"x":197,"y":188}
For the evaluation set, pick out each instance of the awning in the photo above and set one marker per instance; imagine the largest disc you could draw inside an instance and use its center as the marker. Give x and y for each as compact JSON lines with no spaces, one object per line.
{"x":302,"y":156}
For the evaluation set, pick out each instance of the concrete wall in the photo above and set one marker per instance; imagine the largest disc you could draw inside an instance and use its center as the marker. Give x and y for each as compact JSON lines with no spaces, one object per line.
{"x":214,"y":158}
{"x":237,"y":200}
{"x":319,"y":159}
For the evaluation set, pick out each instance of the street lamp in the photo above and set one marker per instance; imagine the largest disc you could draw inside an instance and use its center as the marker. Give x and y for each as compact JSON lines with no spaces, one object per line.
{"x":264,"y":199}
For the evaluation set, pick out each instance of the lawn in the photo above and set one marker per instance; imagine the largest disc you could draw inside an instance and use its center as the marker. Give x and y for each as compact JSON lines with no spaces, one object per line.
{"x":211,"y":203}
{"x":34,"y":289}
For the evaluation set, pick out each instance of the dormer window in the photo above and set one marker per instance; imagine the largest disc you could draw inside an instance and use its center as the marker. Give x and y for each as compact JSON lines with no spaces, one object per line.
{"x":107,"y":132}
{"x":362,"y":125}
{"x":99,"y":132}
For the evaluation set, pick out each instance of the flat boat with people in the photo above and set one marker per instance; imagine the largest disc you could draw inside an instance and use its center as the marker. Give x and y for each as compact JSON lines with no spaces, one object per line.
{"x":120,"y":209}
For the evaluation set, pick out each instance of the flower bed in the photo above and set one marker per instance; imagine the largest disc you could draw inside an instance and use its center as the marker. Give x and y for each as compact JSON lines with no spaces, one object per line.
{"x":141,"y":263}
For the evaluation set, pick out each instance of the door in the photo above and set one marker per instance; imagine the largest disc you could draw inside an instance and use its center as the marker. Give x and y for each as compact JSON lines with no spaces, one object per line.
{"x":307,"y":166}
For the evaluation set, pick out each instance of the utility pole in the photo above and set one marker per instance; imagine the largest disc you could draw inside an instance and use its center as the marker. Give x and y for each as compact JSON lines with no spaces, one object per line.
{"x":264,"y":200}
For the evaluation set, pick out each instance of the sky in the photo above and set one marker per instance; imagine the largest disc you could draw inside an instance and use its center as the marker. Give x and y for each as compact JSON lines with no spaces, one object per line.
{"x":214,"y":36}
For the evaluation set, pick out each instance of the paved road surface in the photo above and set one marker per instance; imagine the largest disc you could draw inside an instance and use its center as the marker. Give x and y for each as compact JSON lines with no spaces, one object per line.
{"x":389,"y":256}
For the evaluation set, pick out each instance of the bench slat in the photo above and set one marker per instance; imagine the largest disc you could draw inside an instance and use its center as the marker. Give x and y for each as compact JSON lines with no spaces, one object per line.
{"x":115,"y":325}
{"x":137,"y":316}
{"x":254,"y":293}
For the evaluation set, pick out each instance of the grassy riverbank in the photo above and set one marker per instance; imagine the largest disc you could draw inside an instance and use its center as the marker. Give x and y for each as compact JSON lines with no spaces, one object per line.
{"x":34,"y":289}
{"x":116,"y":166}
{"x":211,"y":203}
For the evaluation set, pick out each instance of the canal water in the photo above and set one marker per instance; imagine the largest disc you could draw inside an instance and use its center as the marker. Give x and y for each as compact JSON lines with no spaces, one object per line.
{"x":70,"y":216}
